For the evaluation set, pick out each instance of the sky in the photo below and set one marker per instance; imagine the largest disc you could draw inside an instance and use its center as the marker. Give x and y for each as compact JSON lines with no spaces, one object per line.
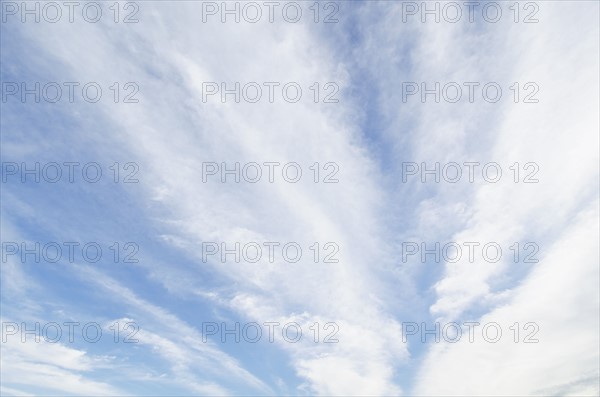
{"x":300,"y":198}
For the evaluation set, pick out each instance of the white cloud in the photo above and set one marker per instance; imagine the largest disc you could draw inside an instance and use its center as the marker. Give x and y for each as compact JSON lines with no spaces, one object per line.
{"x":171,"y":132}
{"x":54,"y":368}
{"x":561,"y":297}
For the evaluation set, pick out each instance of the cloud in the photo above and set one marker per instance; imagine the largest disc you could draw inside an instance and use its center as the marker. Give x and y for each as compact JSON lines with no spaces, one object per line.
{"x":50,"y":368}
{"x":368,"y":134}
{"x":560,"y":296}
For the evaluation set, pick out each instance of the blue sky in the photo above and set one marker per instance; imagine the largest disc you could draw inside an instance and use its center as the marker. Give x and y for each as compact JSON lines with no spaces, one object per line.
{"x":169,"y":294}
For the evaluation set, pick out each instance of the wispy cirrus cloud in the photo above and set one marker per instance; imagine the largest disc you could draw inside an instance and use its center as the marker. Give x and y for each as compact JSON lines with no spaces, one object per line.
{"x":173,"y":132}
